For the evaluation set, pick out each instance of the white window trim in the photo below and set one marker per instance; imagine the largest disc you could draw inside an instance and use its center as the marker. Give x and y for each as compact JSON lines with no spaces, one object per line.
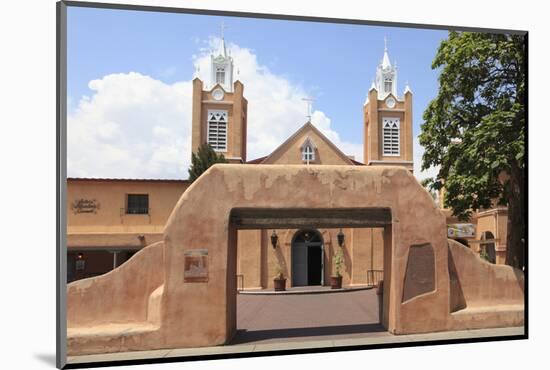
{"x":391,"y":152}
{"x":217,"y":147}
{"x":306,"y":153}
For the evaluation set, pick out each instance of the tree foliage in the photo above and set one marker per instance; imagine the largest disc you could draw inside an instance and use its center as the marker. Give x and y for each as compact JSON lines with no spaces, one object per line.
{"x":474,"y":129}
{"x":202,"y":160}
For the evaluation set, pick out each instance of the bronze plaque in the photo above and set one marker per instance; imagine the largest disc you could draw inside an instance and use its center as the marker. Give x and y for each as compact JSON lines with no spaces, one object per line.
{"x":195,"y":269}
{"x":420,"y":274}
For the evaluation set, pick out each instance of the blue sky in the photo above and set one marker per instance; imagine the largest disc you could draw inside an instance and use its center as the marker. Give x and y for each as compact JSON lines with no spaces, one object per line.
{"x":334,"y":63}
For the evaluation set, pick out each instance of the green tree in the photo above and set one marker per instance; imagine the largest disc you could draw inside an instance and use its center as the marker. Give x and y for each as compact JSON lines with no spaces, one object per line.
{"x":202,"y":160}
{"x":474,"y":130}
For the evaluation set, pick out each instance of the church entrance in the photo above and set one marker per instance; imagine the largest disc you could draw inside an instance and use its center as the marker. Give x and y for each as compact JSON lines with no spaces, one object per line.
{"x":307,"y":258}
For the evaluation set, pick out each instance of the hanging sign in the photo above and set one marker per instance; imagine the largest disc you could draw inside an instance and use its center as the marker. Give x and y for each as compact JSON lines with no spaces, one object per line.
{"x":461,"y":231}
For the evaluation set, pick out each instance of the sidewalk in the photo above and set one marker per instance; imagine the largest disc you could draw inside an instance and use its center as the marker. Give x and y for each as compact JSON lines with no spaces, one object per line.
{"x":372,"y":338}
{"x":314,"y":289}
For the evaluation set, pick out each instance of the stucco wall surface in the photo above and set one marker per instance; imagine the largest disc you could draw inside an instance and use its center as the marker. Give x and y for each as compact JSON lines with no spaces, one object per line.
{"x":201,"y":220}
{"x":483,"y":283}
{"x":119,"y":296}
{"x":194,"y":314}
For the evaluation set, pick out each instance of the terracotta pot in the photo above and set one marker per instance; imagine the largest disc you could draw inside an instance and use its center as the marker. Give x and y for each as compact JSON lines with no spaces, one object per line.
{"x":279,"y":284}
{"x":336,"y":282}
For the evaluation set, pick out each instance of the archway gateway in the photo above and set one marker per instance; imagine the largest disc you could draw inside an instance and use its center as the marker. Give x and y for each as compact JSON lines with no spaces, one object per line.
{"x":182,"y":292}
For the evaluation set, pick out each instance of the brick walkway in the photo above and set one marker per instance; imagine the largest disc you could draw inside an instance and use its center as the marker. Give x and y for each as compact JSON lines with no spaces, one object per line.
{"x":284,"y":318}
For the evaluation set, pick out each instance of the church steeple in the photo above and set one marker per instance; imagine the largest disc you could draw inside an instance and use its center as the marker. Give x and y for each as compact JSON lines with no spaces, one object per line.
{"x":222,"y":66}
{"x":387,"y":119}
{"x":220,"y":108}
{"x":386,"y":75}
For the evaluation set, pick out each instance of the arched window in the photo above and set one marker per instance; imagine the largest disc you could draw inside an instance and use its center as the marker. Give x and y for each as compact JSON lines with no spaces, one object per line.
{"x":308,"y":154}
{"x":308,"y":150}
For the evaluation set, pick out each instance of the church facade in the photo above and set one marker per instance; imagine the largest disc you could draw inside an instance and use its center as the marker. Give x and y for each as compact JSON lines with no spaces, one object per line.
{"x":110,"y":219}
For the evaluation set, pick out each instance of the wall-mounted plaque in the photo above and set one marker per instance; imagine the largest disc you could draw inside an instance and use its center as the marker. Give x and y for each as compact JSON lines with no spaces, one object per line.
{"x":85,"y":206}
{"x":195,"y":269}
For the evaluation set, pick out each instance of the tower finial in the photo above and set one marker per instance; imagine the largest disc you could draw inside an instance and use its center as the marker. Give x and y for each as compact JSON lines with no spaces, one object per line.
{"x":222,"y":49}
{"x":222,"y":29}
{"x":385,"y":43}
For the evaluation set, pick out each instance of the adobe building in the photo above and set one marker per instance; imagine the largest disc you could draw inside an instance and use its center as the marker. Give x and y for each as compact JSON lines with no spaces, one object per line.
{"x":196,"y":245}
{"x":109,"y":220}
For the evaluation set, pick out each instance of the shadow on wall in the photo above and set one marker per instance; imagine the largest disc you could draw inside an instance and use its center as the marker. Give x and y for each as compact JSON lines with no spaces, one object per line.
{"x":457,"y":300}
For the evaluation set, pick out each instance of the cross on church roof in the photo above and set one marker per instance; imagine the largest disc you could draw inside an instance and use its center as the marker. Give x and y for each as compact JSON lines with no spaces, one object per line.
{"x":309,"y":102}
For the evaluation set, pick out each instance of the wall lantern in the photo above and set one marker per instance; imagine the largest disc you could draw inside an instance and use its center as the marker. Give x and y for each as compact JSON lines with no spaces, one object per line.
{"x":80,"y":263}
{"x":274,"y":239}
{"x":341,"y":237}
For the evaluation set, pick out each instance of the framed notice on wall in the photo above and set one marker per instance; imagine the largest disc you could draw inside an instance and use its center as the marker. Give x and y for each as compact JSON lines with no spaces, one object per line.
{"x":195,"y":266}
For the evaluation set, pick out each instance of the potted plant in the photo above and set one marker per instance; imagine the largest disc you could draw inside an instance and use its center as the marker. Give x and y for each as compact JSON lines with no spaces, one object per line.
{"x":336,"y":279}
{"x":279,"y":281}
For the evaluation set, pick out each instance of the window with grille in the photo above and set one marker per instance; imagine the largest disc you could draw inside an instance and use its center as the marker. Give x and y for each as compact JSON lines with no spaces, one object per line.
{"x":137,"y":204}
{"x":220,"y":75}
{"x":390,"y":133}
{"x":217,"y":130}
{"x":308,"y":154}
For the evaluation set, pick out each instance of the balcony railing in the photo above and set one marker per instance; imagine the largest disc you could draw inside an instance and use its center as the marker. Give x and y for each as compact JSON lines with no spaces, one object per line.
{"x":135,"y":211}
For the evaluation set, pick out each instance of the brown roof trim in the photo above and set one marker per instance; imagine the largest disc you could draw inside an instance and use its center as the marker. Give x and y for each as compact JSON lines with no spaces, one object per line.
{"x":357,"y":163}
{"x":256,"y":161}
{"x":121,"y":180}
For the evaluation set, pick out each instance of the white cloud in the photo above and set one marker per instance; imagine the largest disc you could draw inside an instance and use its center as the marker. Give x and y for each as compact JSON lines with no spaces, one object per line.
{"x":140,"y":127}
{"x":418,"y":151}
{"x":132,"y":126}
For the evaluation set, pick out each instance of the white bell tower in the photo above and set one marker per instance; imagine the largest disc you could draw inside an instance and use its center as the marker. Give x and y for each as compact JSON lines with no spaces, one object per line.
{"x":222,"y":66}
{"x":386,"y":75}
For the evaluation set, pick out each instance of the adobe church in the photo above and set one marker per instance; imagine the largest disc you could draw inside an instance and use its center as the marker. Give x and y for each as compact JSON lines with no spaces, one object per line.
{"x":111,"y":219}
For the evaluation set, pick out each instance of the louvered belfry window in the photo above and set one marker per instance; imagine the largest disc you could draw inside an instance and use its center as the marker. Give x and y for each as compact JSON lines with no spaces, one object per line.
{"x":217,"y":130}
{"x":390,"y":132}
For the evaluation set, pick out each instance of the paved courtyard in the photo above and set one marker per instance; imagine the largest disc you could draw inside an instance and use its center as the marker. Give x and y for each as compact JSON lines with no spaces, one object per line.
{"x":271,"y":322}
{"x":298,"y":317}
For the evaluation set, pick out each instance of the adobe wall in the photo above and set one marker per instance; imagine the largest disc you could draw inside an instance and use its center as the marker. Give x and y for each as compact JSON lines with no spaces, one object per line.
{"x":110,"y":196}
{"x":483,"y":283}
{"x":201,"y":220}
{"x":184,"y":313}
{"x":485,"y":294}
{"x":119,"y":296}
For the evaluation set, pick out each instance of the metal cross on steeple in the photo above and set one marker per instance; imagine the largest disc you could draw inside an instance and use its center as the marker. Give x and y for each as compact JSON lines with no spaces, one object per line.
{"x":309,"y":102}
{"x":223,"y":27}
{"x":385,"y":43}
